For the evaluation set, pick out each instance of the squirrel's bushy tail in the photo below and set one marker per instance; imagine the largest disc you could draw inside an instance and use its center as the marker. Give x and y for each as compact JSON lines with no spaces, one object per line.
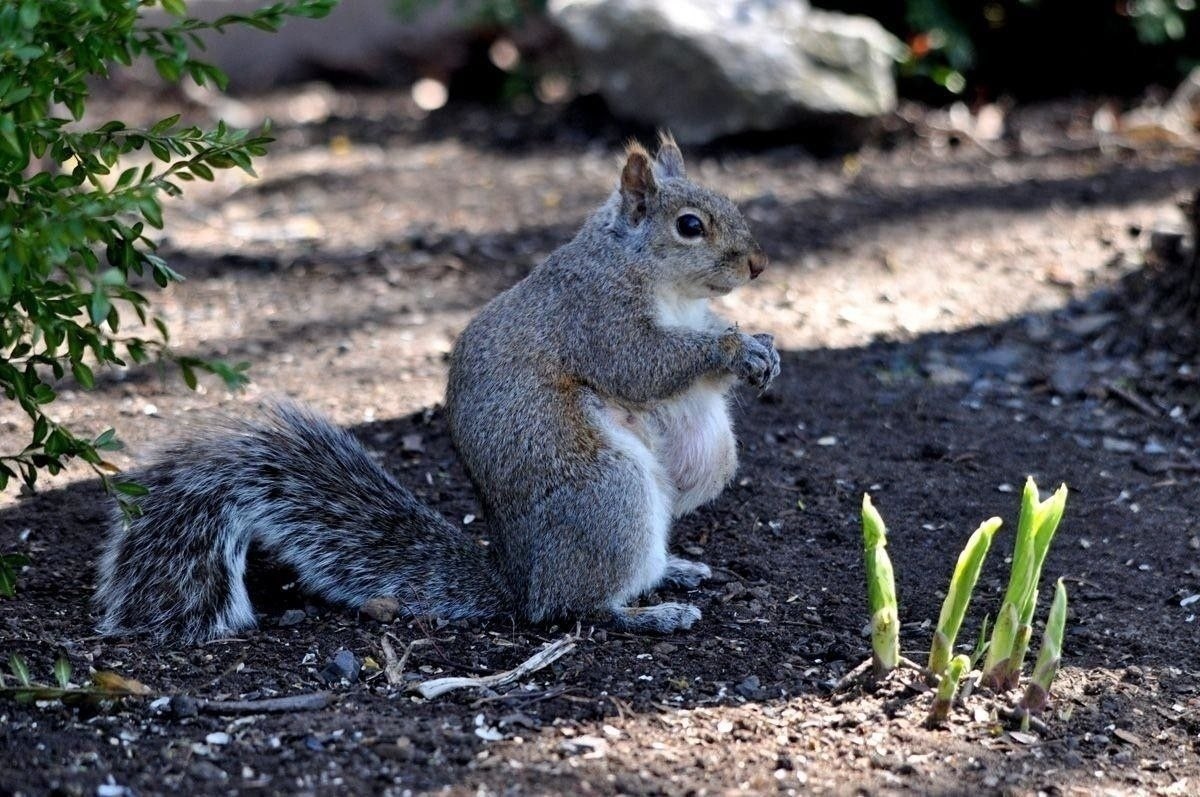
{"x":312,"y":498}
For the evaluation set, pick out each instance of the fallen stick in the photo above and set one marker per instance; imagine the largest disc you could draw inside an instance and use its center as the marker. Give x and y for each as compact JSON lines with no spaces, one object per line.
{"x":271,"y":705}
{"x":545,"y":656}
{"x":1133,"y":400}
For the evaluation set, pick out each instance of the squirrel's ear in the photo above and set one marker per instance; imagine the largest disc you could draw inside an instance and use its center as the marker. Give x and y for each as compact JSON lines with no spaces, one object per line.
{"x":637,"y":182}
{"x":669,"y":161}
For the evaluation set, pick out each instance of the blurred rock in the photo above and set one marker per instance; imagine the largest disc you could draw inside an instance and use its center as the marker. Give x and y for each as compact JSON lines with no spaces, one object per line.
{"x":1175,"y":122}
{"x":717,"y":67}
{"x":363,"y":39}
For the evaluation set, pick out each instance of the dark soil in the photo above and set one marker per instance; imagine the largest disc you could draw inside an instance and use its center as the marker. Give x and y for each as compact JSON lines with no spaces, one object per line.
{"x":952,"y":320}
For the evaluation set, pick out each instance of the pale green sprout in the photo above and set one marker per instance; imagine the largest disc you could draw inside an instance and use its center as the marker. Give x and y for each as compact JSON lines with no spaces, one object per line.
{"x":958,"y":597}
{"x":1010,"y":637}
{"x":881,"y":592}
{"x":1037,"y":693}
{"x":958,"y":667}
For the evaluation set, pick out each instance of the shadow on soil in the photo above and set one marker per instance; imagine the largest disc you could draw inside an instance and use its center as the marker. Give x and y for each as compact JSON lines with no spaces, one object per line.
{"x":784,"y":612}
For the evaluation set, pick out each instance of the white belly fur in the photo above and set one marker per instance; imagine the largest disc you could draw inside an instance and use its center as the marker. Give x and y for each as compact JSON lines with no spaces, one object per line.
{"x":626,"y":432}
{"x":693,"y":439}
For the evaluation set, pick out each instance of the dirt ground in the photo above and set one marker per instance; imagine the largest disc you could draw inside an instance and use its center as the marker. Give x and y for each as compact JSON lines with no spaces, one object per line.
{"x":952,"y":318}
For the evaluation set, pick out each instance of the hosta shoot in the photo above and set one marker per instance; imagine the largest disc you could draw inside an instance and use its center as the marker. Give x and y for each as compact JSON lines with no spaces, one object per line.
{"x":958,"y":667}
{"x":1037,"y":694}
{"x":958,"y":597}
{"x":881,"y":592}
{"x":1010,"y":636}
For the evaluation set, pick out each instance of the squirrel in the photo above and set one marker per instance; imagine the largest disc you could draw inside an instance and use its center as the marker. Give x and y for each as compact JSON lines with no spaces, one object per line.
{"x":589,"y":403}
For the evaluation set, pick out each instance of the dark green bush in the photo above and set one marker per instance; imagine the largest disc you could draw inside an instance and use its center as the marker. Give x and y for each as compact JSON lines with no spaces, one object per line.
{"x":75,"y":222}
{"x":1034,"y":49}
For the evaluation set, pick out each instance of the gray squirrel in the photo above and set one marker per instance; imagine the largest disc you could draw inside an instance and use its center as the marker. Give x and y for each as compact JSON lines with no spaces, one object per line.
{"x":589,"y":403}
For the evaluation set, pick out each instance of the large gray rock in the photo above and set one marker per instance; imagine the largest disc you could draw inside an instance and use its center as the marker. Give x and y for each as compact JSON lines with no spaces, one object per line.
{"x":708,"y":68}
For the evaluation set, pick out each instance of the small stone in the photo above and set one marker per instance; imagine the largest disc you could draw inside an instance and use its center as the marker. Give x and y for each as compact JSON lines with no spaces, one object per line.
{"x":1119,"y":446}
{"x":183,"y":706}
{"x":1085,"y":326}
{"x":412,"y":444}
{"x":827,"y":441}
{"x":218,"y":738}
{"x":207,"y":770}
{"x":749,"y":688}
{"x":383,"y":608}
{"x":946,"y":375}
{"x":112,"y":790}
{"x":1070,"y":377}
{"x":401,"y":750}
{"x":1154,"y":448}
{"x":342,"y":666}
{"x":292,"y":617}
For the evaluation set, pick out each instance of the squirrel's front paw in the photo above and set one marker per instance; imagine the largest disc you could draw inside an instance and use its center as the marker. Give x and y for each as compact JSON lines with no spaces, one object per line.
{"x":757,"y":361}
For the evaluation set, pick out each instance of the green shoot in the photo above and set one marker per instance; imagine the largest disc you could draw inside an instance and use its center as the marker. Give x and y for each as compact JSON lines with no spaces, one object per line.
{"x":958,"y":597}
{"x":959,"y":666}
{"x":1037,"y":694}
{"x":62,"y":672}
{"x":20,"y":669}
{"x":10,"y":565}
{"x":1010,"y":637}
{"x":881,"y":592}
{"x":105,"y":686}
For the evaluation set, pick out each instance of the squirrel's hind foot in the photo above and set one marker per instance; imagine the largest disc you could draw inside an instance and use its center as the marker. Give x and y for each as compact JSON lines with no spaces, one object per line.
{"x":661,"y":619}
{"x":684,"y":573}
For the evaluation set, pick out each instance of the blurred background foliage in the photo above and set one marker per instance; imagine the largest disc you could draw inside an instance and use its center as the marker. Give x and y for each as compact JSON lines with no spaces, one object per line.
{"x":1036,"y":49}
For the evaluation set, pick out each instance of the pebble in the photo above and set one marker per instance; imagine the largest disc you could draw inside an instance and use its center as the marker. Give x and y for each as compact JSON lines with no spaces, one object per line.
{"x":1154,"y":448}
{"x":292,"y":617}
{"x":1070,"y":377}
{"x":218,"y":738}
{"x":383,"y":609}
{"x":207,"y":770}
{"x":749,"y":688}
{"x":343,"y":665}
{"x":183,"y":706}
{"x":1119,"y":446}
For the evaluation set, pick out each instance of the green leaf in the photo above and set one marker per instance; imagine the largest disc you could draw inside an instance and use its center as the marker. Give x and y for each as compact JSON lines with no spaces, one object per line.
{"x":83,"y":375}
{"x":151,"y":211}
{"x":100,"y":305}
{"x":131,"y":488}
{"x":189,"y":375}
{"x":164,"y":125}
{"x":62,"y":672}
{"x":168,"y":69}
{"x":10,"y":566}
{"x":175,"y":7}
{"x":107,"y":441}
{"x":30,"y":14}
{"x":19,"y":668}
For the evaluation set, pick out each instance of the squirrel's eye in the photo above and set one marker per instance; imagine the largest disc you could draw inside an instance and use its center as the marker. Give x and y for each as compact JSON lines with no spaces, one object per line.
{"x":689,"y":225}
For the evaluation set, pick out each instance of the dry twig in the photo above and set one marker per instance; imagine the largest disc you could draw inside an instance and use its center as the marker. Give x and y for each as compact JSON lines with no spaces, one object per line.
{"x":545,"y":656}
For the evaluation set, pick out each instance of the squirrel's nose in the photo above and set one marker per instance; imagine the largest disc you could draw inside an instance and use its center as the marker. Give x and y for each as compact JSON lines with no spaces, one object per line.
{"x":758,"y":261}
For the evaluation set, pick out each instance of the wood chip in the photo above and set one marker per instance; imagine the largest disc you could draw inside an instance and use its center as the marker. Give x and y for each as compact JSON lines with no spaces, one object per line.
{"x":1127,"y":737}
